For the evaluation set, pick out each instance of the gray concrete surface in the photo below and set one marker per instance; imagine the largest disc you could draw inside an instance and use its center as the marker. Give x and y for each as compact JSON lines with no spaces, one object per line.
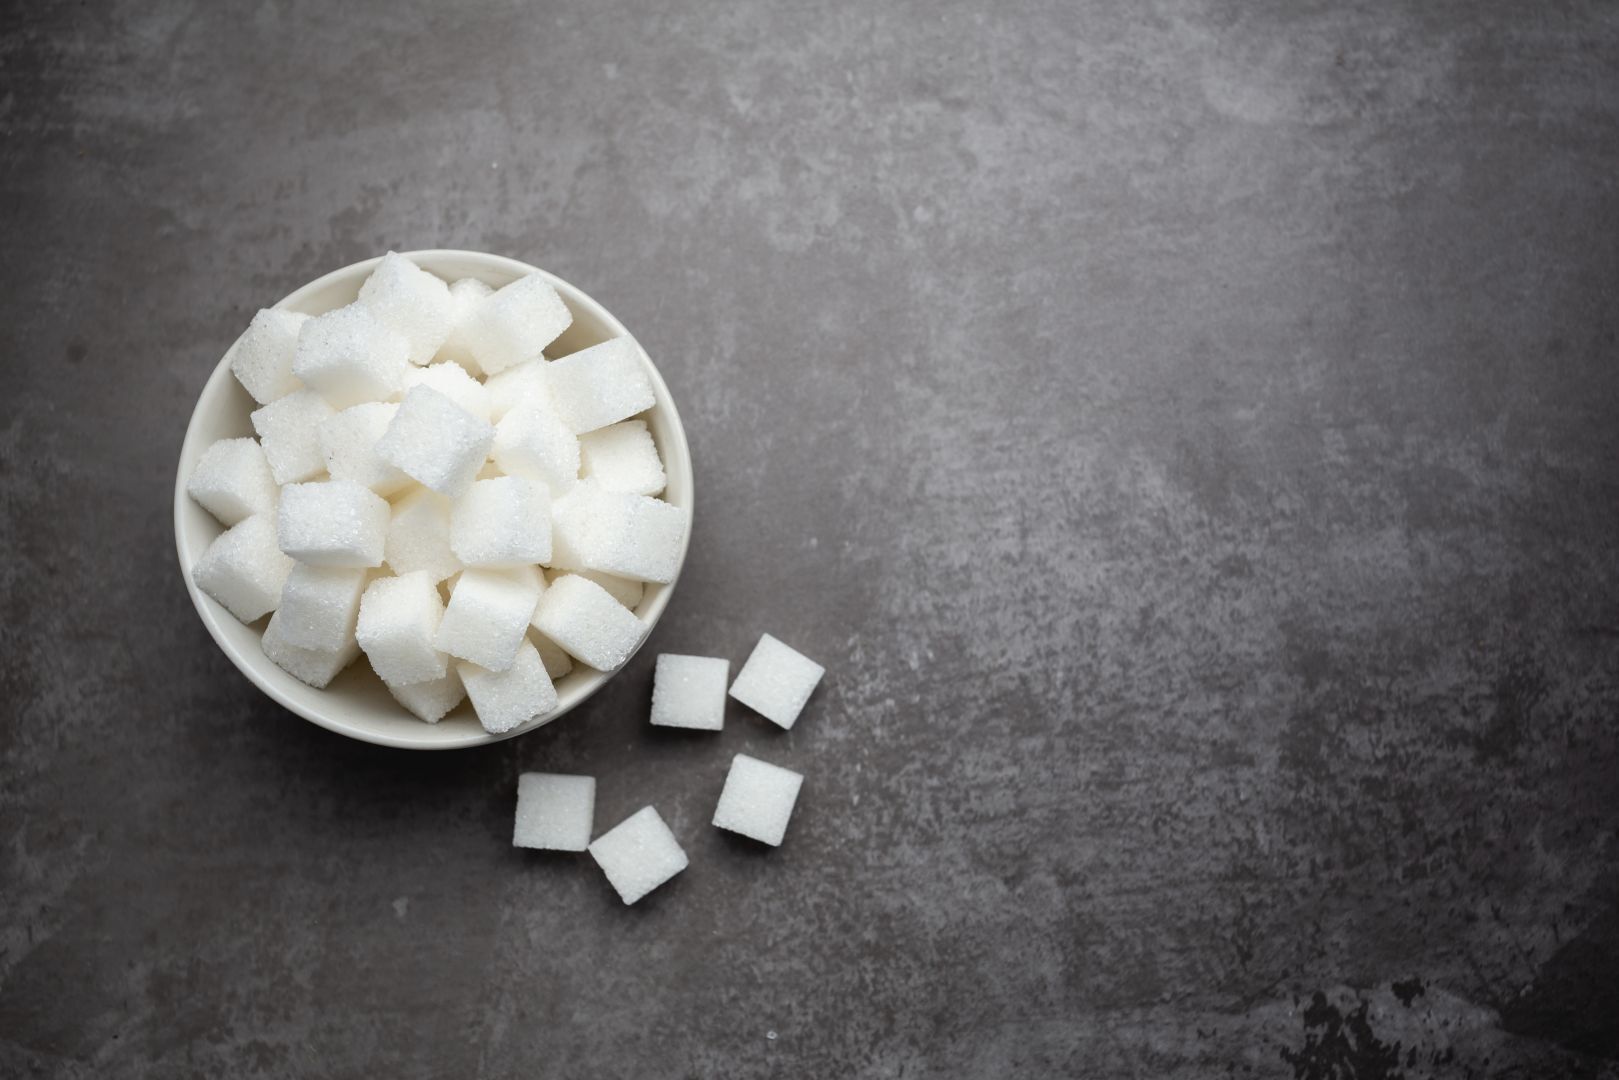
{"x":1189,"y":433}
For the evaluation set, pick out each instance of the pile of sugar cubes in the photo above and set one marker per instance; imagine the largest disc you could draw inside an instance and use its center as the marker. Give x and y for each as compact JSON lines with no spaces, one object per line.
{"x":429,"y":489}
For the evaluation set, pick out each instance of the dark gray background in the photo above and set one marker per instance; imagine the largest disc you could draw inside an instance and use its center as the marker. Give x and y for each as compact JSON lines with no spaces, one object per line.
{"x":1187,"y":432}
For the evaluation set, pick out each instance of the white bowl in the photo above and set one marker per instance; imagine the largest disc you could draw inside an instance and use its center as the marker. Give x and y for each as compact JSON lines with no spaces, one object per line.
{"x":356,"y":704}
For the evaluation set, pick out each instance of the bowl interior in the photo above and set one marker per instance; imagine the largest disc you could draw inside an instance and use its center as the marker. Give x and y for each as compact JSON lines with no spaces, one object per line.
{"x":356,"y":703}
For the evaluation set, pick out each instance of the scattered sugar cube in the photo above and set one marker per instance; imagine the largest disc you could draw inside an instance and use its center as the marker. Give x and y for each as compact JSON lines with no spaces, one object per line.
{"x":243,"y":569}
{"x":261,"y":359}
{"x":399,"y":618}
{"x":453,"y":382}
{"x":289,"y":428}
{"x":348,"y":442}
{"x":516,"y":385}
{"x":487,"y":617}
{"x":515,"y":324}
{"x":632,"y":536}
{"x":622,"y":457}
{"x":332,"y":523}
{"x":776,"y":681}
{"x":600,"y":385}
{"x":232,"y":481}
{"x":465,"y":296}
{"x":580,"y":616}
{"x":412,"y":302}
{"x":419,"y":536}
{"x":431,"y":701}
{"x":555,"y":812}
{"x":638,"y":854}
{"x":511,"y":698}
{"x":349,"y":356}
{"x":504,"y":522}
{"x":689,"y":692}
{"x":316,"y":667}
{"x":758,"y":799}
{"x":556,"y":660}
{"x":436,"y":441}
{"x":319,"y":605}
{"x":623,"y":590}
{"x":531,"y":441}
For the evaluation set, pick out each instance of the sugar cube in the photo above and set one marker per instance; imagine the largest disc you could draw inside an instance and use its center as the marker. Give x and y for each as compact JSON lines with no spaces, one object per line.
{"x":556,"y":660}
{"x":632,"y":536}
{"x":453,"y":382}
{"x":531,"y":441}
{"x":501,"y":523}
{"x":243,"y":569}
{"x":433,"y":700}
{"x":622,"y":457}
{"x":436,"y":441}
{"x":776,"y":681}
{"x":399,"y":618}
{"x":349,"y":356}
{"x":332,"y":523}
{"x":419,"y":536}
{"x":600,"y":385}
{"x":689,"y":692}
{"x":412,"y":302}
{"x":348,"y":442}
{"x":516,"y":385}
{"x":758,"y":799}
{"x":515,"y":324}
{"x":488,"y":614}
{"x":638,"y":854}
{"x":319,"y":605}
{"x":465,"y":296}
{"x":317,"y":667}
{"x":289,"y":428}
{"x":580,"y":616}
{"x":511,"y":698}
{"x":232,"y":481}
{"x":555,"y":812}
{"x":261,"y":359}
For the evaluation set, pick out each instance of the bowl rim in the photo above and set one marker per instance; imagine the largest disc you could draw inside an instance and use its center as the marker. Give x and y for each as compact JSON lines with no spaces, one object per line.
{"x":251,"y":666}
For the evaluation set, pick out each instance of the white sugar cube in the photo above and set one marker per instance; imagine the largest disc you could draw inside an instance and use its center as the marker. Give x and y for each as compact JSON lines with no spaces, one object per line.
{"x":465,"y":296}
{"x":349,"y":356}
{"x":232,"y":481}
{"x":632,"y":536}
{"x":776,"y":681}
{"x":555,"y":812}
{"x":600,"y":385}
{"x":503,"y":522}
{"x":516,"y":385}
{"x":332,"y":523}
{"x":515,"y":324}
{"x":531,"y":441}
{"x":689,"y":692}
{"x":453,"y":382}
{"x":580,"y":616}
{"x":556,"y":659}
{"x":488,"y":614}
{"x":431,"y":701}
{"x":348,"y":442}
{"x":412,"y":302}
{"x":399,"y":619}
{"x":622,"y":457}
{"x":243,"y":569}
{"x":289,"y":428}
{"x":317,"y":667}
{"x":319,"y":605}
{"x":638,"y":854}
{"x":261,"y":359}
{"x":436,"y":441}
{"x":623,"y":590}
{"x":758,"y":799}
{"x":511,"y":698}
{"x":419,"y":536}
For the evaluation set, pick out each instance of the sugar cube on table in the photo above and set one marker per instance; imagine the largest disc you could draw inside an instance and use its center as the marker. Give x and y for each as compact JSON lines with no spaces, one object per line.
{"x":638,"y":854}
{"x":689,"y":692}
{"x":243,"y":569}
{"x":349,"y":356}
{"x":433,"y":700}
{"x":465,"y":296}
{"x":487,"y":617}
{"x":615,"y":532}
{"x":776,"y":681}
{"x":419,"y":536}
{"x":580,"y":616}
{"x":348,"y":442}
{"x":412,"y":302}
{"x":556,"y":659}
{"x":517,"y":385}
{"x":515,"y":324}
{"x":453,"y":382}
{"x":332,"y":523}
{"x":232,"y":481}
{"x":399,"y":619}
{"x":436,"y":441}
{"x":316,"y":667}
{"x":504,"y":522}
{"x":261,"y":359}
{"x":531,"y":441}
{"x":289,"y":428}
{"x":511,"y":698}
{"x":555,"y":811}
{"x":600,"y":385}
{"x":758,"y":799}
{"x":622,"y":457}
{"x":319,"y":605}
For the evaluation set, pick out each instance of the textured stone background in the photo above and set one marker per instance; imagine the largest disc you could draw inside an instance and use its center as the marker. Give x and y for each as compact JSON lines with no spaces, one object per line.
{"x":1189,"y":432}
